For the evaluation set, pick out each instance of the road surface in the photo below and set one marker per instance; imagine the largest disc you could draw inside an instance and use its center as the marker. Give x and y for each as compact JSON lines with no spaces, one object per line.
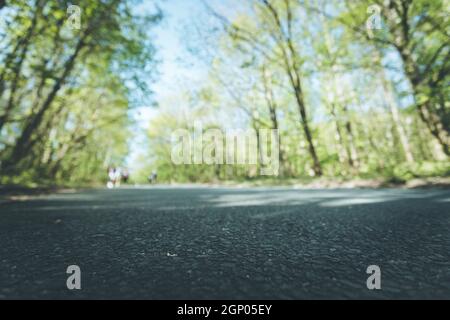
{"x":227,"y":243}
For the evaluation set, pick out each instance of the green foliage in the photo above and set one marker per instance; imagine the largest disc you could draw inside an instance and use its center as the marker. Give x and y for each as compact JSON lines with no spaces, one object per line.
{"x":375,"y":102}
{"x":348,"y":102}
{"x":65,"y":92}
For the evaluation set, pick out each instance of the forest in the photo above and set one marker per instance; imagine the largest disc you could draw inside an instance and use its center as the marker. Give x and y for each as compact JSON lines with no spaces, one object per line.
{"x":356,"y":89}
{"x":68,"y":77}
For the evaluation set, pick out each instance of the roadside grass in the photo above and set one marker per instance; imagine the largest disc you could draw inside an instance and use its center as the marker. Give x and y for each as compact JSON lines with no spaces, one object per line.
{"x":416,"y":175}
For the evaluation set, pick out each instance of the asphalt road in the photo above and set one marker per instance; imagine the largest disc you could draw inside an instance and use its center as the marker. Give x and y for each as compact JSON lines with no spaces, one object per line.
{"x":218,"y":243}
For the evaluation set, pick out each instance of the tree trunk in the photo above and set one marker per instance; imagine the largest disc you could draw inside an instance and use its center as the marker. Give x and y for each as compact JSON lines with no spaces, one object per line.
{"x":290,"y":55}
{"x":272,"y":106}
{"x":389,"y":94}
{"x":342,"y":151}
{"x":435,"y":127}
{"x":24,"y":143}
{"x":295,"y":81}
{"x":432,"y":121}
{"x":304,"y":122}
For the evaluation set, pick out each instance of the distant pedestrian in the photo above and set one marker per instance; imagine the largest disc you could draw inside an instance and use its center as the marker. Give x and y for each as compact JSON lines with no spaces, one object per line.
{"x":111,"y":177}
{"x":118,"y":177}
{"x":114,"y":177}
{"x":153,"y":177}
{"x":125,"y":176}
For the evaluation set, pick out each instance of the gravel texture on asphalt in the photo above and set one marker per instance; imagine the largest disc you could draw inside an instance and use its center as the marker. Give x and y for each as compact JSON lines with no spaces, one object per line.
{"x":225,"y":243}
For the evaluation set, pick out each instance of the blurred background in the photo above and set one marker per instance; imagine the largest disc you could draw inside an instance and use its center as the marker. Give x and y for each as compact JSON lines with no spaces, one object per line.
{"x":359,"y":90}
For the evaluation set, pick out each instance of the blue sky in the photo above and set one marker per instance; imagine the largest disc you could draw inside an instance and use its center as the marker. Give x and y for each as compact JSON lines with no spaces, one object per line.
{"x":176,"y":64}
{"x":172,"y":36}
{"x":178,"y":69}
{"x":170,"y":46}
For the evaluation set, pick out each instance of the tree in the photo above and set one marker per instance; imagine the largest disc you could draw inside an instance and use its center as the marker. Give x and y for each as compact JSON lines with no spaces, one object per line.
{"x":416,"y":31}
{"x":55,"y":76}
{"x":277,"y":44}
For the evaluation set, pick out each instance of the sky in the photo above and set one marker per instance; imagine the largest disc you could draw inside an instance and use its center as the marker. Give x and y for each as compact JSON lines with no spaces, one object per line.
{"x":171,"y":49}
{"x":177,"y":68}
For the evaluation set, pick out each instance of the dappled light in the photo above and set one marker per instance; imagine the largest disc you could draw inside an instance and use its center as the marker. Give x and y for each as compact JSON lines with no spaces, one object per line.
{"x":220,"y":197}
